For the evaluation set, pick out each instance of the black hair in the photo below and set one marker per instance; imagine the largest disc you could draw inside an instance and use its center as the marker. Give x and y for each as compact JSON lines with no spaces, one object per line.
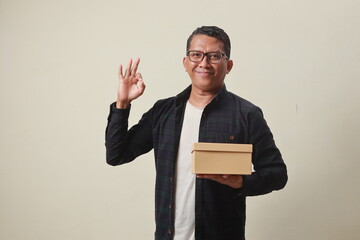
{"x":212,"y":31}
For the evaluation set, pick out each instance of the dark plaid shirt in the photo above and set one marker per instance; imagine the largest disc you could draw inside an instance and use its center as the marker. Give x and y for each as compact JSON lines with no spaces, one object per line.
{"x":219,"y":209}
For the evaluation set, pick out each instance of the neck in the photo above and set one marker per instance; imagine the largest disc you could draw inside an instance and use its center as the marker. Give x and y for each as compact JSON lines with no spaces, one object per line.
{"x":200,"y":98}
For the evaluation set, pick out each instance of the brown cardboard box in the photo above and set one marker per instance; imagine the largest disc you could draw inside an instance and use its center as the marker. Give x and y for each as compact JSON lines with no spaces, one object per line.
{"x":221,"y":158}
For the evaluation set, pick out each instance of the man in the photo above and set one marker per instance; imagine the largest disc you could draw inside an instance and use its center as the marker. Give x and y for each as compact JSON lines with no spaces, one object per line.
{"x":198,"y":207}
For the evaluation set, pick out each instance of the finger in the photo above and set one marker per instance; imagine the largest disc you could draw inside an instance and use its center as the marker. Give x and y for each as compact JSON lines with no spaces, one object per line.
{"x":141,"y":87}
{"x":210,"y":176}
{"x":136,"y":64}
{"x":230,"y":178}
{"x":120,"y":73}
{"x":139,"y":76}
{"x":217,"y":177}
{"x":234,"y":181}
{"x":140,"y":83}
{"x":128,"y":68}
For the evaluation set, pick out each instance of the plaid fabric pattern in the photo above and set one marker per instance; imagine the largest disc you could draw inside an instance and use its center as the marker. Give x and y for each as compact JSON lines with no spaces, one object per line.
{"x":219,"y":209}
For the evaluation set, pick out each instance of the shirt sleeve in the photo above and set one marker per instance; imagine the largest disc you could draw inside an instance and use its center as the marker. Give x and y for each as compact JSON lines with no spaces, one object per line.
{"x":123,"y":145}
{"x":270,"y":171}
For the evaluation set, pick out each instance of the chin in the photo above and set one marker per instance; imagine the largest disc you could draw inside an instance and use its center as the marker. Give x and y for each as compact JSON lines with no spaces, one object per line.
{"x":208,"y":86}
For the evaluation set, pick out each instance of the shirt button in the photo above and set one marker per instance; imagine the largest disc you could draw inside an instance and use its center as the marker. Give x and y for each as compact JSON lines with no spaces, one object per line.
{"x":170,"y":206}
{"x":169,"y":231}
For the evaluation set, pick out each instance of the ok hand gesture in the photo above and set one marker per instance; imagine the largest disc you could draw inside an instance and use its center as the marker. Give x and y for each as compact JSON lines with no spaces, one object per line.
{"x":131,"y":84}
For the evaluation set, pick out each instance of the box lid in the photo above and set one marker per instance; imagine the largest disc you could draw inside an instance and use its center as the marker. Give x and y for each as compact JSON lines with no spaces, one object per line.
{"x":222,"y":147}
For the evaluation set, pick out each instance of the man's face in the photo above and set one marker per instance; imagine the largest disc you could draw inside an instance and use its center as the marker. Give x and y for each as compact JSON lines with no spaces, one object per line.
{"x":206,"y":76}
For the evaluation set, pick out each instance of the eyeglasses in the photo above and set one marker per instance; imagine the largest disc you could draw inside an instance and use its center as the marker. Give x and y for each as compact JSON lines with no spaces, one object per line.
{"x":212,"y":57}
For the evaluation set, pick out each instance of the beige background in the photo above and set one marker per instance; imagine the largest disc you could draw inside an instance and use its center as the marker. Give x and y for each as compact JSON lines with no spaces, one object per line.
{"x":298,"y":60}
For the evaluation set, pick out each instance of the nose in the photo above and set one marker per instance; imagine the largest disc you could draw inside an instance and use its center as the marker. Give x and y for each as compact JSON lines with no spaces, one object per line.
{"x":204,"y":62}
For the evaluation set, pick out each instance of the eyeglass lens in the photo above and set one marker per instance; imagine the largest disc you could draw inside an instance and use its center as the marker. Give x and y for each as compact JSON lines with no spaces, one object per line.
{"x":197,"y":56}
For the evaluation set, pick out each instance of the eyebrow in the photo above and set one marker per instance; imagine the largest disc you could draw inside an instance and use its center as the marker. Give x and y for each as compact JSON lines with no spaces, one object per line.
{"x":218,"y":51}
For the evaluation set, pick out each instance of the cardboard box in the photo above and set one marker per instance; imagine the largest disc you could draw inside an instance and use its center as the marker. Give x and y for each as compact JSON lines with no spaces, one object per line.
{"x":221,"y":158}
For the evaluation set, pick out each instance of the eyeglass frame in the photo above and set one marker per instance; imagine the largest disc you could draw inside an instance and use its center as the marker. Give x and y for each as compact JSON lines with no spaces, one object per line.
{"x":206,"y":54}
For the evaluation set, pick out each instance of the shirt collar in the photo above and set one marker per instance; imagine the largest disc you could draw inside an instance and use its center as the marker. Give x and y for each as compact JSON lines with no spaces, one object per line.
{"x":184,"y":95}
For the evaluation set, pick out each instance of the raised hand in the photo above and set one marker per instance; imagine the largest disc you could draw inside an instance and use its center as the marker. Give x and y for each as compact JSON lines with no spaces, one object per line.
{"x":131,"y":84}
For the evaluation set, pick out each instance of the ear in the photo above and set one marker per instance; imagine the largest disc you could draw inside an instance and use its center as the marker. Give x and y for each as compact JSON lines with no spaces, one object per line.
{"x":229,"y":65}
{"x":184,"y":63}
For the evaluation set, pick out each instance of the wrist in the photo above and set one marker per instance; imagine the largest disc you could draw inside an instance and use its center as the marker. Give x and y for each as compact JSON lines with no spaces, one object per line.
{"x":122,"y":104}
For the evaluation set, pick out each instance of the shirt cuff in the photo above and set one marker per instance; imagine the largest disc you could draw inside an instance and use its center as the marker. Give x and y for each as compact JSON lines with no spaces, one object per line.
{"x":117,"y":114}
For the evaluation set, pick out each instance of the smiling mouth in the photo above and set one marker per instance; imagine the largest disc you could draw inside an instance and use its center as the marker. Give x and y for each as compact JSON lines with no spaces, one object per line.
{"x":204,"y":73}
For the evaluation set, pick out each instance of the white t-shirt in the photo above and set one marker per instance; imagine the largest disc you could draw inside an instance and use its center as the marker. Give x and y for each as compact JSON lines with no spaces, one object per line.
{"x":185,"y":179}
